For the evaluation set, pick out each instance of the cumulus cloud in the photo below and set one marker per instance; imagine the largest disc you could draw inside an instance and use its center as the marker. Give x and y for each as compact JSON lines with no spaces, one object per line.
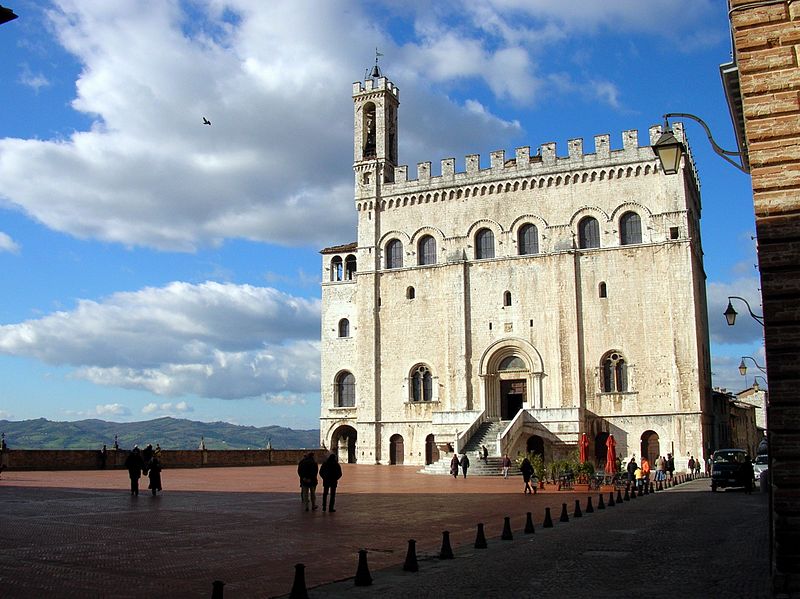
{"x":7,"y":244}
{"x":210,"y":340}
{"x":167,"y":409}
{"x":35,"y":81}
{"x":111,"y":409}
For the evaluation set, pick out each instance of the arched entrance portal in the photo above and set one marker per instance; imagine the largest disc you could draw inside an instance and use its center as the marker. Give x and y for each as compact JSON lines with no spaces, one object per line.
{"x":511,"y":373}
{"x":600,"y":450}
{"x":535,"y":445}
{"x":343,"y":444}
{"x":431,"y":451}
{"x":650,"y":447}
{"x":396,"y":450}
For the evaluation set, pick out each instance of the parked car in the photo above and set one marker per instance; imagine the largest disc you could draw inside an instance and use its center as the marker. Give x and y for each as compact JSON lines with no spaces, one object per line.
{"x":730,"y":469}
{"x":760,"y":464}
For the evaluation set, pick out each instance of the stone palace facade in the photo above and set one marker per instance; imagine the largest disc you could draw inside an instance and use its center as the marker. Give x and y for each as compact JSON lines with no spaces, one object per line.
{"x":542,"y":297}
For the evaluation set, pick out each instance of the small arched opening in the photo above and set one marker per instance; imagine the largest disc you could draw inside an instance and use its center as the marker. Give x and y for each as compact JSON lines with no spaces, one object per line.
{"x":396,"y":450}
{"x":535,"y":445}
{"x":343,"y":443}
{"x":650,"y":447}
{"x":431,"y":450}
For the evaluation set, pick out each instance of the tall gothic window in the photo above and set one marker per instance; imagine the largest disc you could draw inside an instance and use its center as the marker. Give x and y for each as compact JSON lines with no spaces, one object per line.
{"x":345,"y":390}
{"x":630,"y":228}
{"x":615,"y":373}
{"x":484,"y":244}
{"x":344,"y":328}
{"x":421,"y":384}
{"x":394,"y":254}
{"x":336,"y":269}
{"x":426,"y":250}
{"x":528,"y":239}
{"x":588,"y":233}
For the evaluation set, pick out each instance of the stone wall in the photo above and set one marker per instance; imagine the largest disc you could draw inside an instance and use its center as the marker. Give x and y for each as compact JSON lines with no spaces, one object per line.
{"x":56,"y":459}
{"x":767,"y":50}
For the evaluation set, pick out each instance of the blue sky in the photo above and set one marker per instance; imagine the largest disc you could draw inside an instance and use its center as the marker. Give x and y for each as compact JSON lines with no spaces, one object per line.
{"x":156,"y":266}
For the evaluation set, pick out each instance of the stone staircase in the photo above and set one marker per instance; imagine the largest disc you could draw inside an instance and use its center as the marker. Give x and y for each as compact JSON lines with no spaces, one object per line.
{"x":485,"y":435}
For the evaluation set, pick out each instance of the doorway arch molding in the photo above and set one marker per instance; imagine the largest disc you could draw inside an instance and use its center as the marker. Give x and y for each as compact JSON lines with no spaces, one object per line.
{"x":491,"y":376}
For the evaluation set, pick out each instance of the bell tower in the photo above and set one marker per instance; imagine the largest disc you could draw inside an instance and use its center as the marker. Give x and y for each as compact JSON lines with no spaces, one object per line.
{"x":375,"y":102}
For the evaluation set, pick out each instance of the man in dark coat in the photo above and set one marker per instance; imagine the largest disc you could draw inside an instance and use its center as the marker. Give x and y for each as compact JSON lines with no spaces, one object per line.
{"x":527,"y":472}
{"x":134,"y":464}
{"x":464,"y":464}
{"x":307,"y":470}
{"x":632,"y":470}
{"x":155,"y":475}
{"x":147,"y":455}
{"x":330,"y":472}
{"x":670,"y":465}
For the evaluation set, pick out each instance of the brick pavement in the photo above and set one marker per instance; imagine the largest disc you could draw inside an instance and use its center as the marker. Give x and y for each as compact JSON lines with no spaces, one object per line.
{"x":80,"y":534}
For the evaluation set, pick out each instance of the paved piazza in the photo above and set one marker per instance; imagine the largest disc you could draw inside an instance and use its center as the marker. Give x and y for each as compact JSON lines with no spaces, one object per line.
{"x":81,"y":534}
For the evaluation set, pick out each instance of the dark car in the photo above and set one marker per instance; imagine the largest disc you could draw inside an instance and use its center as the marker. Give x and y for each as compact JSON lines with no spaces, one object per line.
{"x":731,"y":468}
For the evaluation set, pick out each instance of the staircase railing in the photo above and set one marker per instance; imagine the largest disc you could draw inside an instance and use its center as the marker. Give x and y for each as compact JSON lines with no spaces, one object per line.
{"x":509,"y":436}
{"x":463,"y":437}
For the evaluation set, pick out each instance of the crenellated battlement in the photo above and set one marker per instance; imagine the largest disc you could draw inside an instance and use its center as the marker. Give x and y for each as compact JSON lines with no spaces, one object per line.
{"x":546,"y":161}
{"x":379,"y":84}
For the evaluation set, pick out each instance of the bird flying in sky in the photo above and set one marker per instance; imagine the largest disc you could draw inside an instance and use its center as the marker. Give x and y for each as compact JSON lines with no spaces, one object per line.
{"x":206,"y":121}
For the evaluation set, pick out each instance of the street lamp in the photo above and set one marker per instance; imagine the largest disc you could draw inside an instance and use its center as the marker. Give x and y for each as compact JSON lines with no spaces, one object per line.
{"x":755,"y":382}
{"x":669,"y":150}
{"x":6,"y":14}
{"x":730,"y":313}
{"x":743,"y":367}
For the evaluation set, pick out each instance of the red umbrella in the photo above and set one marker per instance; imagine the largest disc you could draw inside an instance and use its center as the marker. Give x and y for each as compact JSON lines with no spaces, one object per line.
{"x":611,"y":455}
{"x":583,"y":445}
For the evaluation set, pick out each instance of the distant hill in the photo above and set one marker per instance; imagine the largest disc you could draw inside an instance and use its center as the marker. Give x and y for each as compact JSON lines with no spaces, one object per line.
{"x":171,"y":433}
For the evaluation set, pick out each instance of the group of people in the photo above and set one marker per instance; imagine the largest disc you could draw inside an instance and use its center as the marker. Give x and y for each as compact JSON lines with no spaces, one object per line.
{"x":455,"y":462}
{"x":330,"y":472}
{"x":146,"y":462}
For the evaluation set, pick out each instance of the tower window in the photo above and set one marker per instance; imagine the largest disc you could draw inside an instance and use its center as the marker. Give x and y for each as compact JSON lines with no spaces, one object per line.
{"x":674,"y":232}
{"x":588,"y":233}
{"x":336,"y":269}
{"x":394,"y":254}
{"x":410,"y":293}
{"x":426,"y":251}
{"x":602,"y":292}
{"x":615,"y":373}
{"x":484,"y":244}
{"x":421,"y":384}
{"x":345,"y":390}
{"x":349,"y":267}
{"x":507,"y":298}
{"x":344,"y":328}
{"x":370,"y":149}
{"x":630,"y":228}
{"x":528,"y":240}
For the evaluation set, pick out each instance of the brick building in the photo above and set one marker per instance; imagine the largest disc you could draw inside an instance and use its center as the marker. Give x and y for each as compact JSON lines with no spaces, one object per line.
{"x":766,"y":40}
{"x":522,"y":304}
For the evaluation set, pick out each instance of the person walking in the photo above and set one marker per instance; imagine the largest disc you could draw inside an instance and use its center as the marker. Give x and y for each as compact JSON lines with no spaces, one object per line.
{"x":631,"y":470}
{"x":307,"y":470}
{"x":134,"y":465}
{"x":645,"y":469}
{"x":670,"y":465}
{"x":527,"y":472}
{"x":454,"y":465}
{"x":638,"y":474}
{"x":661,"y":466}
{"x":485,"y":454}
{"x":154,"y":473}
{"x":464,"y":464}
{"x":506,"y":465}
{"x":330,"y":472}
{"x":691,"y":464}
{"x":147,"y":455}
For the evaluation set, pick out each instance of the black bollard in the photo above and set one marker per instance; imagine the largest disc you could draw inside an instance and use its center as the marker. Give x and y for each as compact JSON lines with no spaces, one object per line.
{"x":589,"y":506}
{"x":529,"y":524}
{"x":507,"y":536}
{"x":611,"y":499}
{"x":646,"y":490}
{"x":633,"y":492}
{"x":216,"y":589}
{"x":299,"y":585}
{"x":577,"y":513}
{"x":619,"y":496}
{"x":627,"y":494}
{"x":447,"y":550}
{"x":363,"y":577}
{"x":548,"y":521}
{"x":640,"y":493}
{"x":601,"y":505}
{"x":411,"y":564}
{"x":480,"y":538}
{"x":564,"y":515}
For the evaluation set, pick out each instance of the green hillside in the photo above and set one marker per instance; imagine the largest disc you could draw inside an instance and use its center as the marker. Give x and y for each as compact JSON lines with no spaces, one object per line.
{"x":170,"y":433}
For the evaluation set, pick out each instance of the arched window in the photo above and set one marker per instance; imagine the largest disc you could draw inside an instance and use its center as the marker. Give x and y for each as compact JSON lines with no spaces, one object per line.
{"x":528,"y":240}
{"x":630,"y":228}
{"x":421,"y":384}
{"x":394,"y":254}
{"x":602,"y":291}
{"x":410,"y":293}
{"x":369,"y":131}
{"x":507,"y":298}
{"x":512,"y":363}
{"x":345,"y":390}
{"x":426,"y":251}
{"x":350,"y":267}
{"x":615,"y":373}
{"x":588,"y":233}
{"x":336,"y":269}
{"x":484,"y":244}
{"x":344,"y":328}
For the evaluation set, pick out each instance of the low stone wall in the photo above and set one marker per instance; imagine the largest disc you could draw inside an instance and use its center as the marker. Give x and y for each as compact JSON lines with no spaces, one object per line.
{"x":88,"y":459}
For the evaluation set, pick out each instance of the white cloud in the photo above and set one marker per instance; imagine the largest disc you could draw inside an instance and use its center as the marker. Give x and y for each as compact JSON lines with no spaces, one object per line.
{"x":35,"y":81}
{"x":210,"y":340}
{"x":6,"y":415}
{"x":111,"y":409}
{"x":7,"y":244}
{"x":285,"y":399}
{"x":167,"y":408}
